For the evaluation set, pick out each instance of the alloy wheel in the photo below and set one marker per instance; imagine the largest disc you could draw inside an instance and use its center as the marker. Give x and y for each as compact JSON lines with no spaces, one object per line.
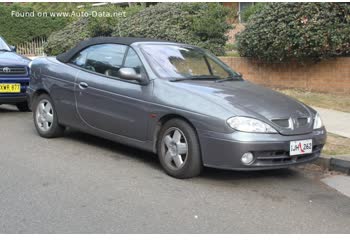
{"x":174,"y":148}
{"x":44,"y":115}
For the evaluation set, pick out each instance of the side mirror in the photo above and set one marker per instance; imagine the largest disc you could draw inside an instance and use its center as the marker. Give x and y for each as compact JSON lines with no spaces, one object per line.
{"x":131,"y":74}
{"x":13,"y":48}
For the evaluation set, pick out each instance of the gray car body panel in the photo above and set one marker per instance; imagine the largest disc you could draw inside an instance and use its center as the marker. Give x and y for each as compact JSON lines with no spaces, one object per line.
{"x":130,"y":113}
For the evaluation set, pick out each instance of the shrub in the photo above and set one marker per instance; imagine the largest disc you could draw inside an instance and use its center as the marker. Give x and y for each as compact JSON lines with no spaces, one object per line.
{"x":251,"y":10}
{"x":201,"y":24}
{"x":287,"y":31}
{"x":69,"y":36}
{"x":103,"y":26}
{"x":230,"y":47}
{"x":85,"y":28}
{"x":21,"y":29}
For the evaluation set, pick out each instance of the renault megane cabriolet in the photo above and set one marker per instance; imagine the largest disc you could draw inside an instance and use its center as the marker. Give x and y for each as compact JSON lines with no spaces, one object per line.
{"x":173,"y":99}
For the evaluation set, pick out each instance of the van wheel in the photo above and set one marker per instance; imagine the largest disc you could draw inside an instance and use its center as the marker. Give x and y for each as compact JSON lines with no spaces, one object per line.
{"x":45,"y":118}
{"x":178,"y":149}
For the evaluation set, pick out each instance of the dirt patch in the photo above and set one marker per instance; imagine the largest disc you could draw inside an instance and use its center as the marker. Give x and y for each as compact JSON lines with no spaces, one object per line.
{"x":336,"y":145}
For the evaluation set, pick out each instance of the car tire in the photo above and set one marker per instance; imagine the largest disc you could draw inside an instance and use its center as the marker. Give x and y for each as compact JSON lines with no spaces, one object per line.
{"x":23,"y":107}
{"x":45,"y":118}
{"x":179,"y":150}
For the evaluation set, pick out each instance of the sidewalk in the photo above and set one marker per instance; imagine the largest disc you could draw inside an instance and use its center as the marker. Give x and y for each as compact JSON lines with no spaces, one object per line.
{"x":338,"y":123}
{"x":335,"y":121}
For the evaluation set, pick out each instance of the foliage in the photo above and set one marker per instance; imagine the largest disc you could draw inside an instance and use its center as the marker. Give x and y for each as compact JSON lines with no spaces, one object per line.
{"x":88,"y":27}
{"x":21,"y":29}
{"x":251,"y":10}
{"x":201,"y":24}
{"x":53,"y":6}
{"x":66,"y":38}
{"x":289,"y":31}
{"x":103,"y":26}
{"x":230,"y":47}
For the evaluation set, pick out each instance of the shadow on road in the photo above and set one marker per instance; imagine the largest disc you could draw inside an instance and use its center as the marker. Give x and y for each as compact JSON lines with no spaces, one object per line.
{"x":151,"y":160}
{"x":8,"y":109}
{"x":130,"y":152}
{"x":227,"y":175}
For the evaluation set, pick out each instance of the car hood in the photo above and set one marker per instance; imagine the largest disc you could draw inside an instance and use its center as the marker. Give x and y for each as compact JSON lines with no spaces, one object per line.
{"x":243,"y":98}
{"x":13,"y":59}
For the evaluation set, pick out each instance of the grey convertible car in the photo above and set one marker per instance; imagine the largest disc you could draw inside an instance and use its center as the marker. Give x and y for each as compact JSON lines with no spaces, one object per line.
{"x":173,"y":99}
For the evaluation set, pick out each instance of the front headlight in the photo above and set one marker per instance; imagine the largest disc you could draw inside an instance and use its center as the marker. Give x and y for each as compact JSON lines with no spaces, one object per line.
{"x":246,"y":124}
{"x":317,"y":121}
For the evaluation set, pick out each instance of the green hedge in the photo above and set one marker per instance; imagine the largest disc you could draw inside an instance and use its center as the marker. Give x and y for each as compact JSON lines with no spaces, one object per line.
{"x":202,"y":24}
{"x":252,"y":10}
{"x":21,"y":29}
{"x":297,"y":31}
{"x":66,"y":38}
{"x":84,"y":28}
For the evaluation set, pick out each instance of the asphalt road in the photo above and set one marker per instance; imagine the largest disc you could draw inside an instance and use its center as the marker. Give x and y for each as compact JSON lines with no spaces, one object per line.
{"x":84,"y":184}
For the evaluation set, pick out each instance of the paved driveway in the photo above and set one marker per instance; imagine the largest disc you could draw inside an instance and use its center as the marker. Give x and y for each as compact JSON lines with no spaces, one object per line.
{"x":83,"y":184}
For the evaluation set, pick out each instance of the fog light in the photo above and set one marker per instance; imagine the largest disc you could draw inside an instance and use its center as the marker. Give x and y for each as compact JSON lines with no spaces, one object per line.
{"x":247,"y":158}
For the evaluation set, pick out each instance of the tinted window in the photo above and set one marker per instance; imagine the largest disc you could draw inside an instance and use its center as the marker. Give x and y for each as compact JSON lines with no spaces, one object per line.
{"x":105,"y":59}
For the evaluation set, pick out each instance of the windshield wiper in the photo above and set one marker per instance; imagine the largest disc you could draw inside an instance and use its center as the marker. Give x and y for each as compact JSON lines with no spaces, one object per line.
{"x":4,"y":50}
{"x":230,"y":78}
{"x":199,"y":77}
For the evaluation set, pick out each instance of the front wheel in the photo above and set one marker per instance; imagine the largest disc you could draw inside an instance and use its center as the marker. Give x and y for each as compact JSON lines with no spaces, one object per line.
{"x":45,"y":118}
{"x":178,"y":149}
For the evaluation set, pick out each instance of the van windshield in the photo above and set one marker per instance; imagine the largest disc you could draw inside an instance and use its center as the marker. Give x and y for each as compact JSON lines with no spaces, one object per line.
{"x":3,"y":45}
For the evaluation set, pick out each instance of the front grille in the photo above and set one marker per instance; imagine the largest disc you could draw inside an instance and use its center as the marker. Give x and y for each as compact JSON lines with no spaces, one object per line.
{"x":281,"y":122}
{"x":271,"y":158}
{"x":288,"y":123}
{"x":13,"y":71}
{"x":302,"y":121}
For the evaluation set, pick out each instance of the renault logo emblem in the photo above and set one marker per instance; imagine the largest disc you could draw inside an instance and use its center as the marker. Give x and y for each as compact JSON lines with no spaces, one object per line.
{"x":6,"y":69}
{"x":291,"y":122}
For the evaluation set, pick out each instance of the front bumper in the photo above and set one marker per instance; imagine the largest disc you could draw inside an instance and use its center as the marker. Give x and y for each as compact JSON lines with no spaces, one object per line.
{"x":12,"y":98}
{"x":271,"y":151}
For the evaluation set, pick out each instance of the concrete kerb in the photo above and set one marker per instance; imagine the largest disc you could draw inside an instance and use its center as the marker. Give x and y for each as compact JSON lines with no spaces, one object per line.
{"x":336,"y":163}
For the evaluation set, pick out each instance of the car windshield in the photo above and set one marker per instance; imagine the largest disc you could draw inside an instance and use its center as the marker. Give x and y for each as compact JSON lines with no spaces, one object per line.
{"x":179,"y":62}
{"x":3,"y":45}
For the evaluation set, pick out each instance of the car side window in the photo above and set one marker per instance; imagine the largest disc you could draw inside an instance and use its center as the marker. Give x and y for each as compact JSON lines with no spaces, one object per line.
{"x":104,"y":59}
{"x":133,"y":61}
{"x":80,"y":58}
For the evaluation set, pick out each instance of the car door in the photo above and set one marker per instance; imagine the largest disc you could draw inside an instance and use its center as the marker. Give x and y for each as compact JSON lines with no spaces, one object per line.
{"x":104,"y":101}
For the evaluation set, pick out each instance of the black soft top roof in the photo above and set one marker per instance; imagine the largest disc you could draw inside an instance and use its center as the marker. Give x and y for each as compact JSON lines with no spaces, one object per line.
{"x":66,"y":56}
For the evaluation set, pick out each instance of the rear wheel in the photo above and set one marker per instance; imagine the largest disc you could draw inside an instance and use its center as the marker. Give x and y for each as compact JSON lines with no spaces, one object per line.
{"x":23,"y":107}
{"x":45,"y":118}
{"x":178,"y":149}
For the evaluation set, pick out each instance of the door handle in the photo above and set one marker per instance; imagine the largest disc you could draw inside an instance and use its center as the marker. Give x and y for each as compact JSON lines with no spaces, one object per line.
{"x":83,"y":85}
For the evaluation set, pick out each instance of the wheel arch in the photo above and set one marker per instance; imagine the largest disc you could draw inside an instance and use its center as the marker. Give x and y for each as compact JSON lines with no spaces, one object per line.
{"x":165,"y":119}
{"x":36,"y":94}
